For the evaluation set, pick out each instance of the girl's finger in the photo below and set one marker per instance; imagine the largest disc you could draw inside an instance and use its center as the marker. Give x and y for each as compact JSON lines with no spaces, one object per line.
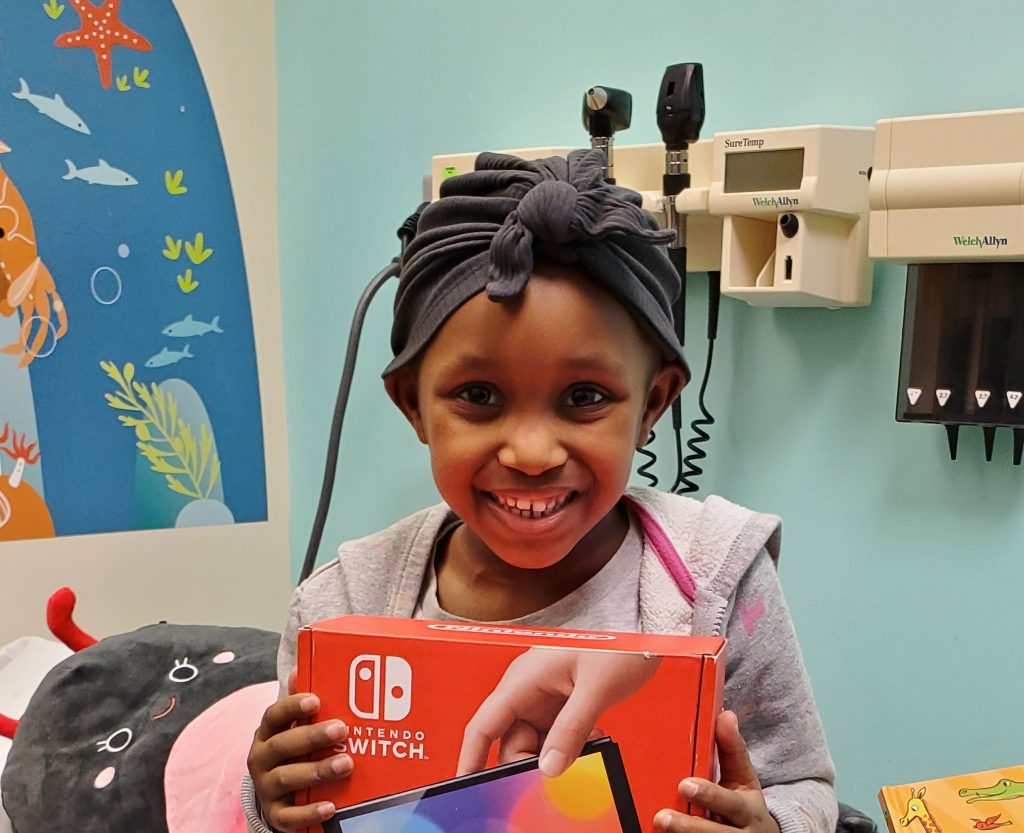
{"x":671,"y":821}
{"x":297,"y":742}
{"x":731,"y":805}
{"x":289,"y":819}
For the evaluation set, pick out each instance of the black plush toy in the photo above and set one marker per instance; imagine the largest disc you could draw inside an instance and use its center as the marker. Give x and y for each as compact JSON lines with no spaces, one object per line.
{"x":147,"y":731}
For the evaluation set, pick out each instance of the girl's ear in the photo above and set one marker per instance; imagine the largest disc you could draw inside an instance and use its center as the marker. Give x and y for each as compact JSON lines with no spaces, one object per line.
{"x":403,"y":387}
{"x":665,"y":387}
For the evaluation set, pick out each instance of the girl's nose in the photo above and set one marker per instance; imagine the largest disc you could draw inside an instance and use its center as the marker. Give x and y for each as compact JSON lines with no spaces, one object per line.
{"x":532,"y":448}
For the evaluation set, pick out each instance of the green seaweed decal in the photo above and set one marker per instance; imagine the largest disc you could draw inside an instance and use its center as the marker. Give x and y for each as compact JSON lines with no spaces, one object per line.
{"x":172,"y":251}
{"x":197,"y":251}
{"x":53,"y":9}
{"x":164,"y":439}
{"x":186,"y":282}
{"x":172,"y":182}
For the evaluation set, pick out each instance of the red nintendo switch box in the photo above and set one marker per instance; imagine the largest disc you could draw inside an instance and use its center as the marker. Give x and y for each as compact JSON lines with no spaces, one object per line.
{"x":423,"y":700}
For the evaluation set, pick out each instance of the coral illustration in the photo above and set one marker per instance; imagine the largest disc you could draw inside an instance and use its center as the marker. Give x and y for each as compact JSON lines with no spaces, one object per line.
{"x":23,"y":512}
{"x":164,"y":439}
{"x":20,"y":453}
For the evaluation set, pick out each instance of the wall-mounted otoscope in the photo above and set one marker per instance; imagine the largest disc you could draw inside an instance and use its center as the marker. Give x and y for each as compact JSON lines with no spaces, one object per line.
{"x":680,"y":117}
{"x":606,"y":111}
{"x":680,"y":113}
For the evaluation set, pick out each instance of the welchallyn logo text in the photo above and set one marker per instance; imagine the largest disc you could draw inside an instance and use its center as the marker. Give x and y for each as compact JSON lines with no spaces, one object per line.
{"x":977,"y":241}
{"x":775,"y":202}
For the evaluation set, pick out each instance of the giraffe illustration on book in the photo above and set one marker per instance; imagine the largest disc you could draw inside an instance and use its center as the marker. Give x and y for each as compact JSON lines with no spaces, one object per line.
{"x":917,"y":810}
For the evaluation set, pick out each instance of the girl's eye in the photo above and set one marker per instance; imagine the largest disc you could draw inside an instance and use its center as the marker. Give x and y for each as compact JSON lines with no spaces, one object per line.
{"x":477,"y":395}
{"x":584,"y":397}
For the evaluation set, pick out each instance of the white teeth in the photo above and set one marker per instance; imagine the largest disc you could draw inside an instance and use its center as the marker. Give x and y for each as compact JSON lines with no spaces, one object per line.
{"x":526,"y":508}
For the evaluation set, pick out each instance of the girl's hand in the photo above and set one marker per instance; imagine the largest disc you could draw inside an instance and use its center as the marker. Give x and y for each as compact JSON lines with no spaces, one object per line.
{"x":548,"y":704}
{"x":735,"y":803}
{"x":277,"y":761}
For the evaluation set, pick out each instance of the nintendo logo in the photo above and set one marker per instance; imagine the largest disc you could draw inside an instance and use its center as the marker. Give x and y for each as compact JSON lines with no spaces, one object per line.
{"x":587,"y":637}
{"x":380,"y":687}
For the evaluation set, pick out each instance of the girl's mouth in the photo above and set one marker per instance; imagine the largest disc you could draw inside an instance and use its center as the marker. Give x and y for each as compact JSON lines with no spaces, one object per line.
{"x":532,"y":508}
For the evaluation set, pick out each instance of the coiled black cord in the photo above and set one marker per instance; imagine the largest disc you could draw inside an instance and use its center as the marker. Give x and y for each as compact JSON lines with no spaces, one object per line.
{"x":688,"y":467}
{"x":651,"y":458}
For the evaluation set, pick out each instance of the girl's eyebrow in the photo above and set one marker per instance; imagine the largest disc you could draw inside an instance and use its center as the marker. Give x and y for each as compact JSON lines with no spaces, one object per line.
{"x":468,"y":362}
{"x":595,"y":362}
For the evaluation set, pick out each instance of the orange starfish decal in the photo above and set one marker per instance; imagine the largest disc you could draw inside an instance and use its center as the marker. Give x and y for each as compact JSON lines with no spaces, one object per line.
{"x":101,"y":31}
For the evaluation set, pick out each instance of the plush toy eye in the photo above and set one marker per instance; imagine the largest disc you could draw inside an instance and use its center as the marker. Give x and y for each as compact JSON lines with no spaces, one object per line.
{"x":183,"y":671}
{"x":117,"y":742}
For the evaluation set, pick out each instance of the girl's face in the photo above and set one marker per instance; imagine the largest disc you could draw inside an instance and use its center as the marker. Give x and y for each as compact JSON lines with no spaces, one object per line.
{"x":532,"y":410}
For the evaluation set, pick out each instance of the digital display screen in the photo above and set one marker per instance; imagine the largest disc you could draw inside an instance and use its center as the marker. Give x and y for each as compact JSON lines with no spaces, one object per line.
{"x":764,"y":170}
{"x":592,"y":796}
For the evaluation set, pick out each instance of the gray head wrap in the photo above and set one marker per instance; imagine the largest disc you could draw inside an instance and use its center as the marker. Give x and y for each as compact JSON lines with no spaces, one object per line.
{"x":488,"y":227}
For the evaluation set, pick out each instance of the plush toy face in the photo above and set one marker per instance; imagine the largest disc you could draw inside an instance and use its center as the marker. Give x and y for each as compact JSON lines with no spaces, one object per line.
{"x":91,"y":750}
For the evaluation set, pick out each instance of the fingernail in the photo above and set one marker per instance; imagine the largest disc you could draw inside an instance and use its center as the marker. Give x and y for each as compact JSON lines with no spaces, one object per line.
{"x":336,"y":730}
{"x":325,"y":810}
{"x":341,"y":765}
{"x":553,"y":763}
{"x":688,"y":788}
{"x":310,"y":704}
{"x":663,"y":820}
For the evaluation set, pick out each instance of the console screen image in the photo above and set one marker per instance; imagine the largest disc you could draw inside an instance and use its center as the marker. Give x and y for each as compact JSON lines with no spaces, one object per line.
{"x":592,"y":796}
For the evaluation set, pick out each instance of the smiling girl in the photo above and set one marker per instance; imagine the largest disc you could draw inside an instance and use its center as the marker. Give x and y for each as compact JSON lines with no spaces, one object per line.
{"x":534,"y":351}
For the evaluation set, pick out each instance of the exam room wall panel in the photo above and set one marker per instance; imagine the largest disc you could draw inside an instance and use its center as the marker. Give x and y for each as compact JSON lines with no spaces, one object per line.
{"x":903,"y":569}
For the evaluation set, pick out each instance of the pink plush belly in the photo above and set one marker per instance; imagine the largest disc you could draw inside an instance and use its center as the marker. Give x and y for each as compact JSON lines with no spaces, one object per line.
{"x":204,"y":771}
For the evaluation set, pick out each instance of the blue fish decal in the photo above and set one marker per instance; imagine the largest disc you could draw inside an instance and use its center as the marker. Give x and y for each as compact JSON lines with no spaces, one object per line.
{"x":54,"y":107}
{"x":189,"y":327}
{"x":100,"y":174}
{"x":166,"y":357}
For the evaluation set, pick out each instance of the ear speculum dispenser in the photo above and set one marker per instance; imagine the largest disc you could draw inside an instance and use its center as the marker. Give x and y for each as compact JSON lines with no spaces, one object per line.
{"x":946,"y":198}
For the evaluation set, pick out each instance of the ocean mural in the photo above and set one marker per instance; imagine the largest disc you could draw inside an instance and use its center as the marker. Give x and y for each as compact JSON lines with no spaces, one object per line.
{"x":129,"y":394}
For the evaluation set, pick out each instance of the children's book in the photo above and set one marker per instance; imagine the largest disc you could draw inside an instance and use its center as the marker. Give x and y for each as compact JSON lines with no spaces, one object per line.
{"x":989,"y":800}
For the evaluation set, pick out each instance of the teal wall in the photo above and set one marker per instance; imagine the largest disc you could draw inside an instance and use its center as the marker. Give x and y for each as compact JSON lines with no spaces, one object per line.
{"x":904,"y":571}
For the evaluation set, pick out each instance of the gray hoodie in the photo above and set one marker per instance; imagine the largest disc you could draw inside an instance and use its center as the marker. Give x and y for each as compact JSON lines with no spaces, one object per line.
{"x":730,"y":553}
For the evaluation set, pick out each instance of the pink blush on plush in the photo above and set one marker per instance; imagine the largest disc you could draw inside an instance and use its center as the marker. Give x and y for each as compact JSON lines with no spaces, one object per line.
{"x":203,"y":777}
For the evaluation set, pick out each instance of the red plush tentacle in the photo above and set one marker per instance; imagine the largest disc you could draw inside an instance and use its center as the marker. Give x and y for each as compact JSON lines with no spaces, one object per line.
{"x":8,"y":726}
{"x":58,"y":617}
